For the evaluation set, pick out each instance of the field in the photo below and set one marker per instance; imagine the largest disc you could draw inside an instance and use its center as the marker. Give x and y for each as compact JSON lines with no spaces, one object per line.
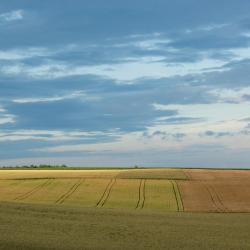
{"x":29,"y":226}
{"x":125,"y":209}
{"x":134,"y":189}
{"x":149,"y":189}
{"x":216,"y":190}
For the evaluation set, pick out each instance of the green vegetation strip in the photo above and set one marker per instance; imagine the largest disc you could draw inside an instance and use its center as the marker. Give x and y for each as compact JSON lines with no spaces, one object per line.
{"x":44,"y":227}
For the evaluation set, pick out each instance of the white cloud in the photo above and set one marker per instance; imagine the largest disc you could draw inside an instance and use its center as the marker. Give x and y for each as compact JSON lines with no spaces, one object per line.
{"x":76,"y":94}
{"x":221,"y":118}
{"x":230,"y":95}
{"x":132,"y":143}
{"x":50,"y":135}
{"x":212,"y":112}
{"x":127,"y":143}
{"x":208,"y":28}
{"x":18,"y":54}
{"x":25,"y":53}
{"x":2,"y":109}
{"x":129,"y":70}
{"x":240,"y":53}
{"x":153,"y":41}
{"x":6,"y":118}
{"x":12,"y":16}
{"x":246,"y":34}
{"x":139,"y":67}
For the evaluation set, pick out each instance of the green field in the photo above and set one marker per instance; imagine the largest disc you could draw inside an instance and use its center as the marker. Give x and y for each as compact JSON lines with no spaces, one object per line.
{"x":29,"y":226}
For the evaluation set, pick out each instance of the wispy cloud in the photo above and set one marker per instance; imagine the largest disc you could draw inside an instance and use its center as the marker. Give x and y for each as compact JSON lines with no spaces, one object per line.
{"x":76,"y":94}
{"x":12,"y":16}
{"x":140,"y":67}
{"x":24,"y":53}
{"x":52,"y":135}
{"x":208,"y":28}
{"x":6,"y":118}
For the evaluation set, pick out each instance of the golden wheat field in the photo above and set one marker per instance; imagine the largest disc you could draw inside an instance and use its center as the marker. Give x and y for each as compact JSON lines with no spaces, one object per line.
{"x":152,"y":189}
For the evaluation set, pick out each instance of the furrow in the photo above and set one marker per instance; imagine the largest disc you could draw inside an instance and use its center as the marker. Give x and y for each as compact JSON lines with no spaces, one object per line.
{"x":104,"y":193}
{"x":139,"y":194}
{"x":143,"y":194}
{"x":215,"y":204}
{"x":223,"y":207}
{"x":64,"y":196}
{"x":76,"y":186}
{"x":175,"y":195}
{"x":34,"y":190}
{"x":108,"y":192}
{"x":178,"y":193}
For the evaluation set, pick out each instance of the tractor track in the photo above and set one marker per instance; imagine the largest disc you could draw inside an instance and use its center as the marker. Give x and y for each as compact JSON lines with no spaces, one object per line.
{"x":175,"y":195}
{"x":97,"y":204}
{"x":34,"y":190}
{"x":188,"y":175}
{"x":69,"y":192}
{"x":139,"y":199}
{"x":181,"y":205}
{"x":106,"y":193}
{"x":224,"y":208}
{"x":141,"y":194}
{"x":218,"y":209}
{"x":216,"y":200}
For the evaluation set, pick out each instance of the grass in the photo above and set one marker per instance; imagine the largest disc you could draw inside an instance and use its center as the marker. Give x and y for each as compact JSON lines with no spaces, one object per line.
{"x":29,"y":226}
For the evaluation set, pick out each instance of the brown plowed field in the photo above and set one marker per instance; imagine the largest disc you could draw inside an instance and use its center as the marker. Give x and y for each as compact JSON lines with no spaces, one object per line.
{"x":216,"y":190}
{"x":214,"y":174}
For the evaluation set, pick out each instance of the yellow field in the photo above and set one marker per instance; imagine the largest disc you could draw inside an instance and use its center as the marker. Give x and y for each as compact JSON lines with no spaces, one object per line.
{"x":162,"y":195}
{"x":147,"y":189}
{"x":47,"y":174}
{"x":134,"y":189}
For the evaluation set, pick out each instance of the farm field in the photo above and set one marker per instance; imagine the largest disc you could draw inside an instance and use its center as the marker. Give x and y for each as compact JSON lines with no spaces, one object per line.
{"x":124,"y":209}
{"x":188,"y":190}
{"x":135,"y":189}
{"x":36,"y":226}
{"x":216,"y":190}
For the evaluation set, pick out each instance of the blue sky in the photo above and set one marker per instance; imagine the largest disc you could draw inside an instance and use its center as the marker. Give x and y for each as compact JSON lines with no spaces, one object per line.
{"x":119,"y":83}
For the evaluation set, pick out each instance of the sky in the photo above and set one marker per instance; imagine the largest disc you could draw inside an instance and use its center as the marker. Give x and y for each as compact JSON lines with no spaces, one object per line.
{"x":155,"y":83}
